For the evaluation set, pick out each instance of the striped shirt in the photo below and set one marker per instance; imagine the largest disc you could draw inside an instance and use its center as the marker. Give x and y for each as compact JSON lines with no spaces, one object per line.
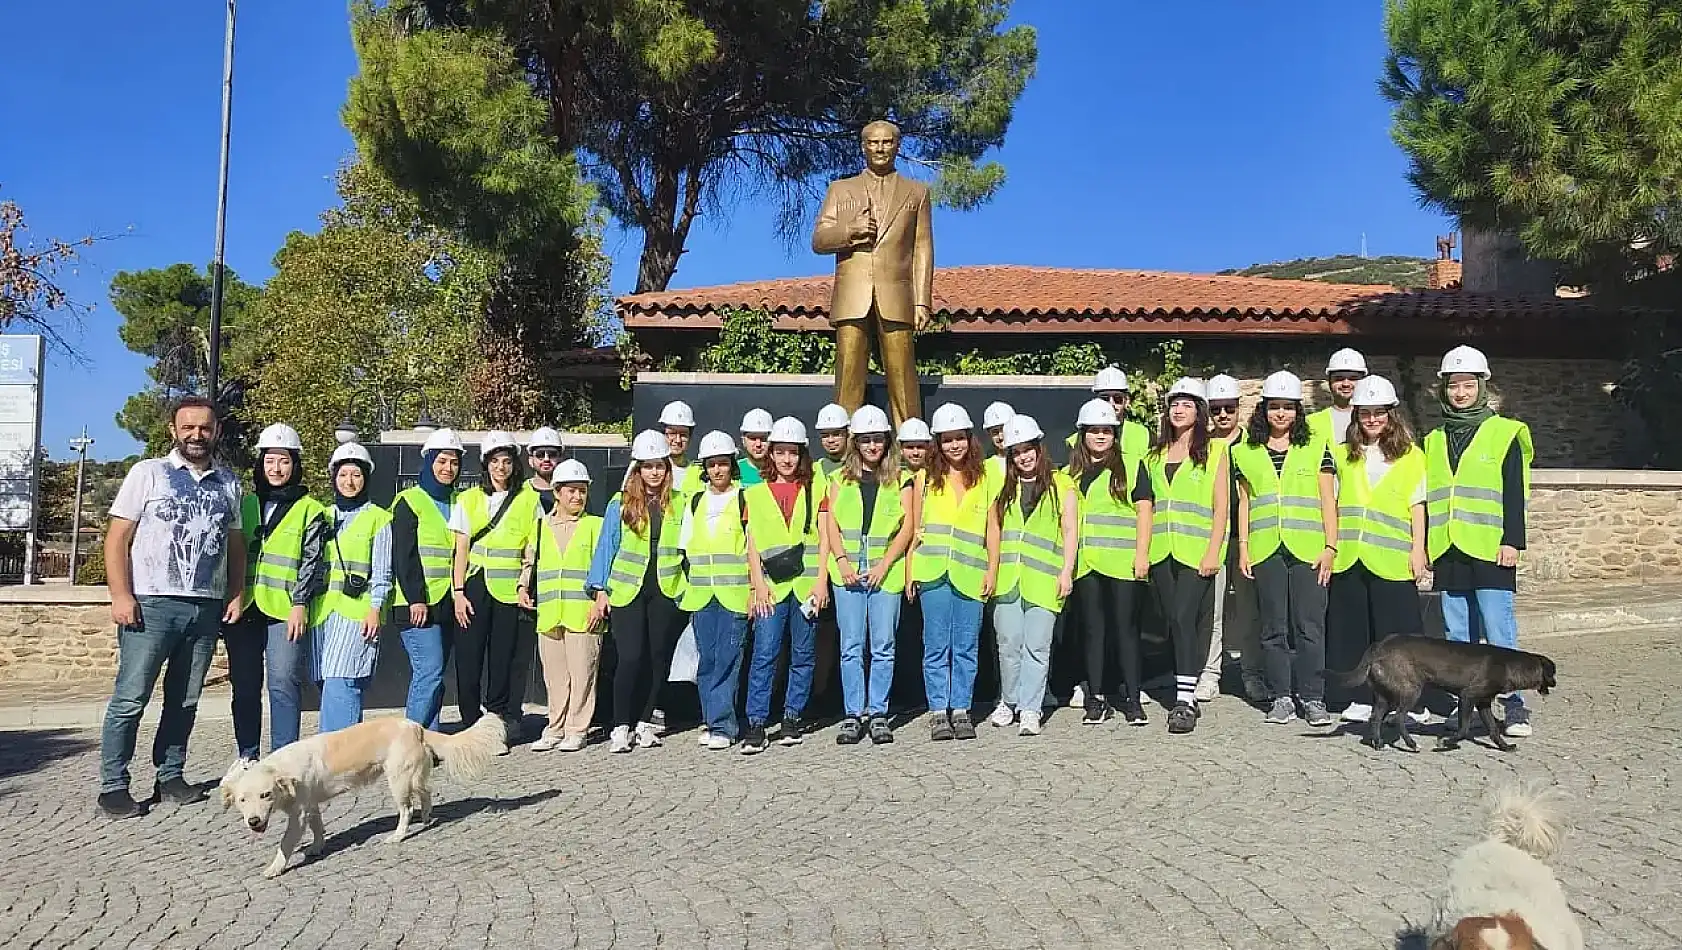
{"x":339,"y":650}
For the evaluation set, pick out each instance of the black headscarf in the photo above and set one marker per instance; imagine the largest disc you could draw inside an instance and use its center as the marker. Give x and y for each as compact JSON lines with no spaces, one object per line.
{"x":278,"y":494}
{"x":348,"y":502}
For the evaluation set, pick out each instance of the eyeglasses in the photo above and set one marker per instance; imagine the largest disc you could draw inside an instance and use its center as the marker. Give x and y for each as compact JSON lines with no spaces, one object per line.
{"x":545,"y":453}
{"x":1229,"y":410}
{"x":1374,"y":412}
{"x":1346,"y":377}
{"x":870,"y":439}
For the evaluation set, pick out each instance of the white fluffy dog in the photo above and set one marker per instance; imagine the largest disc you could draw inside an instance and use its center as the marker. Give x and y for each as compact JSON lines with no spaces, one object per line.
{"x":301,"y":777}
{"x":1501,"y":893}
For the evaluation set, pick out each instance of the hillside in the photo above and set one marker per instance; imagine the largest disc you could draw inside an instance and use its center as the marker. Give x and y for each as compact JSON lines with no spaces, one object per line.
{"x":1344,"y":269}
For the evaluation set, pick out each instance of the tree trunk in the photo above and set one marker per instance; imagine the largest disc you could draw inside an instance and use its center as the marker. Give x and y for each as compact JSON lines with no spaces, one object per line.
{"x":671,"y":209}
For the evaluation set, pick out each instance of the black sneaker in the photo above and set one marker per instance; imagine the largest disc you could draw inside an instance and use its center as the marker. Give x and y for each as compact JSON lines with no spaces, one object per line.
{"x":940,"y":726}
{"x":852,"y":730}
{"x":962,"y":728}
{"x":1097,"y":713}
{"x":1134,"y":712}
{"x":754,"y":741}
{"x":793,"y":732}
{"x":118,"y":804}
{"x":880,"y":733}
{"x":178,"y":792}
{"x":1182,"y":718}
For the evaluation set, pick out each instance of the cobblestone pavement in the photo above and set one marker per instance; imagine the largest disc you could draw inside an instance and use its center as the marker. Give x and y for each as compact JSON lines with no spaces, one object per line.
{"x":1241,"y":835}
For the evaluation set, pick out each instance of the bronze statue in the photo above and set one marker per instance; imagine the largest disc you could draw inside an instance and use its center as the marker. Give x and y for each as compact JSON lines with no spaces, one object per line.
{"x":877,"y":226}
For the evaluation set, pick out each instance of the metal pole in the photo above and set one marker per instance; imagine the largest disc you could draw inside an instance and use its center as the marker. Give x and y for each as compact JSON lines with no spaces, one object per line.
{"x":215,"y":368}
{"x":81,"y":445}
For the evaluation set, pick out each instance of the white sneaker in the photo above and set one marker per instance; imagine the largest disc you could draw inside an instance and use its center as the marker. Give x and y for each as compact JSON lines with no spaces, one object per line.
{"x":1077,"y":699}
{"x":572,"y":743}
{"x":718,"y":742}
{"x":546,"y":742}
{"x":1030,"y":724}
{"x":1207,"y":690}
{"x":1421,"y":717}
{"x":620,"y":739}
{"x":1002,"y":716}
{"x":659,"y":721}
{"x":705,"y":737}
{"x":1356,"y":712}
{"x":648,"y":735}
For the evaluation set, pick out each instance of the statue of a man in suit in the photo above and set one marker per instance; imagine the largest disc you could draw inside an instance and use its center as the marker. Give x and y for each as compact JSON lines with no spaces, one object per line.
{"x":877,"y":226}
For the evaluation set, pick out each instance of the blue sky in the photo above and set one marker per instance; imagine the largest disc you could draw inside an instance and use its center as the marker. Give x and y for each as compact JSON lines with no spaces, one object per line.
{"x":1188,"y":137}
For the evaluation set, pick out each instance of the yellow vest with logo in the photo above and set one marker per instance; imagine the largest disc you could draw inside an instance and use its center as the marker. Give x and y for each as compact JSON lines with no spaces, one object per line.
{"x":350,"y":550}
{"x":1183,"y":518}
{"x":271,"y":569}
{"x":1109,"y":529}
{"x":630,"y":562}
{"x":1375,"y":522}
{"x":867,"y":546}
{"x":952,"y":540}
{"x":1031,"y":548}
{"x":1284,"y":506}
{"x":562,"y":601}
{"x":718,"y":561}
{"x":1463,"y":506}
{"x":432,"y":538}
{"x":772,"y":535}
{"x":499,"y":554}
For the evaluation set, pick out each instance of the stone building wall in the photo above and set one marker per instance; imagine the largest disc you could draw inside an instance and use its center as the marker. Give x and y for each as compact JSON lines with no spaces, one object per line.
{"x":1587,"y":525}
{"x":63,"y":637}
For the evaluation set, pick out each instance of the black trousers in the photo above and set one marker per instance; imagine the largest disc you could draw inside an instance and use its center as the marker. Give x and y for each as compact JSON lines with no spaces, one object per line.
{"x":645,"y":632}
{"x":486,"y":652}
{"x":1362,"y":609}
{"x":1292,"y":608}
{"x":1183,"y":596}
{"x":1108,"y":621}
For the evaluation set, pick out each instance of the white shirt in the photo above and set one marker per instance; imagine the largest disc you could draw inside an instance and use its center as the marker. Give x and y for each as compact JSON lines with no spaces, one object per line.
{"x":458,"y":514}
{"x":714,"y":505}
{"x":1340,"y":424}
{"x":182,"y":517}
{"x":1378,"y":467}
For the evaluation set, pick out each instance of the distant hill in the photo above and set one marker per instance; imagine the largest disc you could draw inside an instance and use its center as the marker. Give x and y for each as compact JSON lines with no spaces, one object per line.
{"x":1345,"y":269}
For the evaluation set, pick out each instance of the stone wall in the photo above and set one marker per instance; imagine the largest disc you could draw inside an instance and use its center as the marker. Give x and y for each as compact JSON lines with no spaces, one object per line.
{"x":1604,"y":525}
{"x":56,"y":633}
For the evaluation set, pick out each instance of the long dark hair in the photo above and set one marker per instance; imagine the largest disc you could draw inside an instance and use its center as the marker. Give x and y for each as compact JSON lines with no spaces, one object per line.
{"x":1013,"y":482}
{"x":940,"y":467}
{"x":1082,"y":462}
{"x":1261,"y":430}
{"x":1199,"y":431}
{"x":1396,"y":441}
{"x":516,"y":478}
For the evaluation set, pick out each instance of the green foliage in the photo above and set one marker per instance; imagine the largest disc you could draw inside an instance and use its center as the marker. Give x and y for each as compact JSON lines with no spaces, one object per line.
{"x":91,"y":571}
{"x":1557,"y":120}
{"x":1396,"y":271}
{"x":1650,"y":383}
{"x":681,"y":104}
{"x":747,"y":344}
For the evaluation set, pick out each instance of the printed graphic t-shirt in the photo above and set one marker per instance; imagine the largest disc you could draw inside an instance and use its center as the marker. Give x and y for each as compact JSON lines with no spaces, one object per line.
{"x":182,"y":518}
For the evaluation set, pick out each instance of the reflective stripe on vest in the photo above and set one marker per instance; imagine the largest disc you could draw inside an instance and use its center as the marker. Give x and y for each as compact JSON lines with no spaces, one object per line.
{"x":1284,"y":509}
{"x":350,"y":550}
{"x":1031,"y":549}
{"x":718,"y":562}
{"x":433,"y":539}
{"x":1374,"y":522}
{"x":272,"y":572}
{"x":499,"y":554}
{"x":867,"y":547}
{"x":1464,"y":507}
{"x":562,"y":601}
{"x":1109,"y":529}
{"x":772,"y":536}
{"x":1183,"y":518}
{"x":953,"y":537}
{"x":630,"y":562}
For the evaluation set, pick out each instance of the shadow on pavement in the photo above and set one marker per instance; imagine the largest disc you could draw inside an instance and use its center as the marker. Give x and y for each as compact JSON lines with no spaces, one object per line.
{"x":26,"y":751}
{"x":441,"y":814}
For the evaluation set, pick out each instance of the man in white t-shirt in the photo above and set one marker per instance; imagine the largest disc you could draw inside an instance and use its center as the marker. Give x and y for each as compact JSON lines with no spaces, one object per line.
{"x":175,"y":562}
{"x":1346,"y":368}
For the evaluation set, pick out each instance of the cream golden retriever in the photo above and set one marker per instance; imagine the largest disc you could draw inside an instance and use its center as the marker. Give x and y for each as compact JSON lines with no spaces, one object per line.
{"x":298,"y":779}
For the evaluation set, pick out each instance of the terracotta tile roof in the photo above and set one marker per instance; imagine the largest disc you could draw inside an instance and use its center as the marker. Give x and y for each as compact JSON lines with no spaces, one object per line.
{"x":1009,"y":298}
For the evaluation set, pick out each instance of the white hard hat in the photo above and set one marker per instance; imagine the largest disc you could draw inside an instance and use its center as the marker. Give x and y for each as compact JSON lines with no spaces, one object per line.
{"x":1346,"y":360}
{"x":349,"y":452}
{"x":443,"y":440}
{"x":677,"y":414}
{"x":950,"y":418}
{"x":494,"y":440}
{"x":544,"y":438}
{"x":1222,"y":387}
{"x":832,"y":417}
{"x":716,"y":443}
{"x":789,"y":431}
{"x":914,"y":430}
{"x":280,"y":436}
{"x":756,"y":421}
{"x":1020,"y":429}
{"x":571,"y":470}
{"x":1464,"y":359}
{"x":1373,"y":392}
{"x":869,"y":420}
{"x":649,"y":446}
{"x":1110,"y":380}
{"x":1188,"y":386}
{"x":1282,"y":385}
{"x":1097,"y":412}
{"x":997,"y":414}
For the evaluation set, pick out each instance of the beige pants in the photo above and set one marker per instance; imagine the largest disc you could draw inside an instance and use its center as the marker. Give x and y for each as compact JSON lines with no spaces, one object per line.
{"x":569,"y":677}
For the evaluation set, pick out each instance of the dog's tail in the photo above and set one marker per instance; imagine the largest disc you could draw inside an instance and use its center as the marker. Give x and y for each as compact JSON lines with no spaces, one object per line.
{"x":1528,"y":820}
{"x":1358,"y":675}
{"x":467,"y":754}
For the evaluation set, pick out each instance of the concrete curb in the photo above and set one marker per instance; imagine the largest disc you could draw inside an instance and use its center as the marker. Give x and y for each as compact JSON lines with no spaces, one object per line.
{"x":1566,"y":623}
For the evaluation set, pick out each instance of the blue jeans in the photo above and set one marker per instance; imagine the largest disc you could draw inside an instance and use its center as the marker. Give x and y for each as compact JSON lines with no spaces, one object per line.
{"x":1494,"y":622}
{"x":1024,"y":635}
{"x":341,"y":702}
{"x":873,"y":616}
{"x":175,"y":632}
{"x":951,"y":641}
{"x":718,"y":640}
{"x":425,"y":646}
{"x":767,"y":644}
{"x":257,"y":651}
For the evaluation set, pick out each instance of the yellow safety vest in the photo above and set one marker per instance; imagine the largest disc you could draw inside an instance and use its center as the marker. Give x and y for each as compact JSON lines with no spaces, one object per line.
{"x":1109,"y":529}
{"x":868,"y":546}
{"x":1284,"y":506}
{"x":1183,"y":519}
{"x":562,"y":601}
{"x":350,"y":550}
{"x":952,"y":540}
{"x":1375,"y":522}
{"x":718,"y":561}
{"x":1320,"y":427}
{"x":433,"y":539}
{"x":1031,"y":549}
{"x":772,"y":536}
{"x":500,"y":552}
{"x":630,"y":562}
{"x":1463,"y":506}
{"x":271,"y":571}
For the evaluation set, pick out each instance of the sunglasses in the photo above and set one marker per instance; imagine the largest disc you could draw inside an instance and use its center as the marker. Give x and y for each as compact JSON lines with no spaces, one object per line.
{"x":545,"y":453}
{"x":1345,"y":377}
{"x":1223,"y":410}
{"x":1116,"y":397}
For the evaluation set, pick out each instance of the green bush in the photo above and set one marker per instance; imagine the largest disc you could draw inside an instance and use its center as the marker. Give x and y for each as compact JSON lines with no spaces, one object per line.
{"x":92,"y":569}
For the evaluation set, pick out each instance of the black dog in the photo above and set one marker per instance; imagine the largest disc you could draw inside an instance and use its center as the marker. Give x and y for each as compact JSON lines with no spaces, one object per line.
{"x":1399,"y":668}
